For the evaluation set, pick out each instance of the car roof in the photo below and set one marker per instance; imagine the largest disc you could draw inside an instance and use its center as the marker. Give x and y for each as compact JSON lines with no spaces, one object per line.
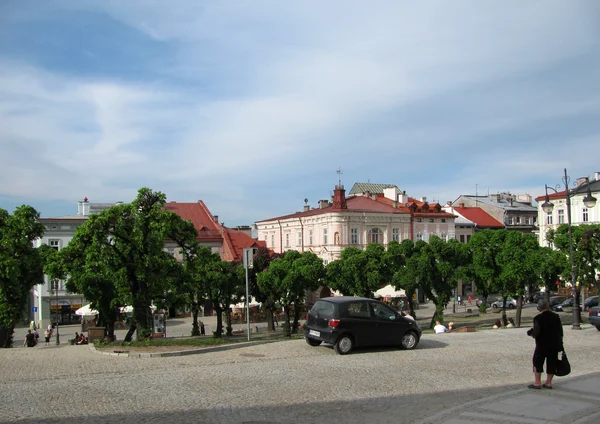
{"x":344,"y":299}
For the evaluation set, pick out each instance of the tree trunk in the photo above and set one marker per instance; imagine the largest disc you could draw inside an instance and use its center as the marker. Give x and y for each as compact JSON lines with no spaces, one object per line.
{"x":270,"y":322}
{"x":577,"y":302}
{"x":228,"y":328}
{"x":195,"y":326}
{"x":286,"y":328}
{"x":411,"y":305}
{"x":142,"y":316}
{"x":519,"y":310}
{"x":130,"y":333}
{"x":6,"y":337}
{"x":438,"y":315}
{"x":296,"y":319}
{"x":219,"y":311}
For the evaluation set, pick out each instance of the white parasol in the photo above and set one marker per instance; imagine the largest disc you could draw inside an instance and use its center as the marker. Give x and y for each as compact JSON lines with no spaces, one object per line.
{"x":86,"y":310}
{"x":389,"y":291}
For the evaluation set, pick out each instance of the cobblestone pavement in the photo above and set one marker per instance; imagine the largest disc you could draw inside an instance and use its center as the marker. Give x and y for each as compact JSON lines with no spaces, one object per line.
{"x":449,"y":378}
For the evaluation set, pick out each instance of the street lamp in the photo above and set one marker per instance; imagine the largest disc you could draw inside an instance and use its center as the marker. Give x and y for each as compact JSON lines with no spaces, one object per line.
{"x":589,"y":201}
{"x":55,"y":284}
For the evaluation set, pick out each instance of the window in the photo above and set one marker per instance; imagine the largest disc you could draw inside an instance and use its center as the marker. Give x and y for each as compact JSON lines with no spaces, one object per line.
{"x":383,"y":312}
{"x":299,"y":243}
{"x":272,"y":240}
{"x":358,"y":310}
{"x":462,"y":238}
{"x":171,"y":251}
{"x":443,"y":219}
{"x":354,"y":236}
{"x":375,"y":235}
{"x":561,"y":216}
{"x":419,"y":236}
{"x":548,"y":218}
{"x":518,"y":220}
{"x":468,"y":237}
{"x":527,"y":220}
{"x":585,"y":215}
{"x":287,"y":239}
{"x":324,"y":235}
{"x":55,"y":244}
{"x":444,"y":237}
{"x":431,"y":220}
{"x":310,"y":241}
{"x":509,"y":220}
{"x":395,"y":234}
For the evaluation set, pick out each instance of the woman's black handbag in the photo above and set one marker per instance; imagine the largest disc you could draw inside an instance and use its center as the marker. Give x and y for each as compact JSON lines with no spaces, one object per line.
{"x":563,"y":367}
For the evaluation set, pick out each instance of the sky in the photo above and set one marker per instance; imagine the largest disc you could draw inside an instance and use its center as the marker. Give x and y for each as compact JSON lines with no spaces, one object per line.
{"x":253,"y":106}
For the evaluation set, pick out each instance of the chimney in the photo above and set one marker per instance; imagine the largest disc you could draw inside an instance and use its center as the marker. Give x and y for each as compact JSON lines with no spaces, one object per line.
{"x":596,"y":176}
{"x":323,"y":204}
{"x":461,"y":205}
{"x":395,"y":203}
{"x":374,"y":196}
{"x":85,"y":207}
{"x":306,"y":208}
{"x":402,"y":197}
{"x":216,"y":218}
{"x":424,"y":199}
{"x":339,"y":197}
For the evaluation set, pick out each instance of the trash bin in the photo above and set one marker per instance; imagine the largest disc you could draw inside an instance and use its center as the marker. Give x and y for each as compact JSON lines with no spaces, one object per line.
{"x":96,"y":334}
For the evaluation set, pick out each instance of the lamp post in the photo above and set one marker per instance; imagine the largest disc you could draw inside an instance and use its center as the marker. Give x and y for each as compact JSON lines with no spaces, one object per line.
{"x":57,"y":312}
{"x":589,"y":201}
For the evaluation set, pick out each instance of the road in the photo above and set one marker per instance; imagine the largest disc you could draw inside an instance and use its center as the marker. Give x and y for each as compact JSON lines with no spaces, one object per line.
{"x":288,"y":382}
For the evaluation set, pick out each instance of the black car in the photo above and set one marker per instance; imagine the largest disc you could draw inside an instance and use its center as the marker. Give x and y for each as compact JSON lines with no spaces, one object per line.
{"x":590,"y":302}
{"x":347,"y":322}
{"x":556,"y":300}
{"x":567,"y":303}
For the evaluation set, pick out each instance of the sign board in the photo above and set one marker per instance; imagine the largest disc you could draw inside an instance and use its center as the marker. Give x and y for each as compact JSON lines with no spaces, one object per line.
{"x":249,"y":254}
{"x":34,"y":309}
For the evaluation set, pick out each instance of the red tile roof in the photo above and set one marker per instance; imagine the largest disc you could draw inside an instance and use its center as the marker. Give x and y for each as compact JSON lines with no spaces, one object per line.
{"x":206,"y":225}
{"x":552,"y":196}
{"x":480,"y":217}
{"x":234,"y":243}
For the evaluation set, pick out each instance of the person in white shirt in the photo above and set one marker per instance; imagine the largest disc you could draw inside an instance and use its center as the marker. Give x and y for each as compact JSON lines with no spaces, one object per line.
{"x":439,"y":328}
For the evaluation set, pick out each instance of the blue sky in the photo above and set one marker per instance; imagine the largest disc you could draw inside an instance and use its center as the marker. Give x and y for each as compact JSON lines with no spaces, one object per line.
{"x":252,"y":106}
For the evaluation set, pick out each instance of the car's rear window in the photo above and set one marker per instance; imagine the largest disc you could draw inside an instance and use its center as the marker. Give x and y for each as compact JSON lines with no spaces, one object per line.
{"x":323,"y":308}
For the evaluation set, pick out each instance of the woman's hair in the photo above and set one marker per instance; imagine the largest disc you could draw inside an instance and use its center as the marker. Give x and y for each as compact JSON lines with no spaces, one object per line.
{"x":510,"y":320}
{"x":498,"y":323}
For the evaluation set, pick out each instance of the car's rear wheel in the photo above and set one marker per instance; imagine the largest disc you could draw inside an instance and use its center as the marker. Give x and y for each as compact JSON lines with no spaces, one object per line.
{"x":410,"y":340}
{"x":598,"y":327}
{"x":313,"y":342}
{"x":344,"y":344}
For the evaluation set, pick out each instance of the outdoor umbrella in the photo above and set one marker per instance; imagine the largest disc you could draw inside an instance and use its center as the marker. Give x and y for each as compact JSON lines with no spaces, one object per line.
{"x":86,"y":310}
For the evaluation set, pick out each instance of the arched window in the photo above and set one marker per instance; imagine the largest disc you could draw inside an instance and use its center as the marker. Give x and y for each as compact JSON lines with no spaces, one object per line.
{"x":375,"y":235}
{"x":336,"y":239}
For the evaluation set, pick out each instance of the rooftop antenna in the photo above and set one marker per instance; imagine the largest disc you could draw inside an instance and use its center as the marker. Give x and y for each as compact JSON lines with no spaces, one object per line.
{"x":339,"y":172}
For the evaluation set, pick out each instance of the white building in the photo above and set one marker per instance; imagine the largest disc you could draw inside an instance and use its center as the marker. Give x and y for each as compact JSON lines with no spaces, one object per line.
{"x":580,"y":213}
{"x":51,"y":301}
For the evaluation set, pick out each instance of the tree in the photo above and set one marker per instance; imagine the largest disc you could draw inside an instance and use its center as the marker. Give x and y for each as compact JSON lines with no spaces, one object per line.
{"x":550,"y":265}
{"x":517,"y":264}
{"x":261,"y":262}
{"x":445,"y":262}
{"x":131,"y":238}
{"x":224,"y":285}
{"x":586,"y":254}
{"x":21,"y":266}
{"x":359,"y":272}
{"x":288,"y":279}
{"x":404,"y":268}
{"x":485,"y":246}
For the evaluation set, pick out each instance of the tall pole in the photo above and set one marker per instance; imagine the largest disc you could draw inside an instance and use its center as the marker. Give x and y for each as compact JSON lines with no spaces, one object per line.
{"x":57,"y":315}
{"x":576,"y":315}
{"x":246,"y":262}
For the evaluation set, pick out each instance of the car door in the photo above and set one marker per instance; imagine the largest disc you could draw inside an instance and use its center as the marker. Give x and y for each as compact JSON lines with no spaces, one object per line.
{"x":355,"y":317}
{"x":389,"y":326}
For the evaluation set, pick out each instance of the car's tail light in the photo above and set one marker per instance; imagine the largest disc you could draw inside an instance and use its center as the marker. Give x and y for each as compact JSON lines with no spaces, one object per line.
{"x":334,"y":322}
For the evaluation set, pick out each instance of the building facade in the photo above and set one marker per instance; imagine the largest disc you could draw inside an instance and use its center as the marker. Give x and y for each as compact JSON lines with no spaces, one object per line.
{"x":470,"y":220}
{"x":580,"y":213}
{"x":516,"y":212}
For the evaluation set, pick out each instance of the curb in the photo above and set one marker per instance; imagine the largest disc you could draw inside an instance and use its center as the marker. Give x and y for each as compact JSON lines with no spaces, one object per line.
{"x":181,"y":352}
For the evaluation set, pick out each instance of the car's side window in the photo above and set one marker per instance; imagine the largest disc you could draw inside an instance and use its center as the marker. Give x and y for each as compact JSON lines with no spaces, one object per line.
{"x":381,"y":311}
{"x":358,"y":310}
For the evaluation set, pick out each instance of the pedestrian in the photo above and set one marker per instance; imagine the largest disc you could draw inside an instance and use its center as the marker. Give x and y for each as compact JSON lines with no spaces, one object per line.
{"x":29,"y":340}
{"x":511,"y":323}
{"x":439,"y":328}
{"x":459,"y":300}
{"x":497,"y":324}
{"x":275,"y":322}
{"x":47,"y":337}
{"x":202,"y":331}
{"x":470,"y":300}
{"x":548,"y":334}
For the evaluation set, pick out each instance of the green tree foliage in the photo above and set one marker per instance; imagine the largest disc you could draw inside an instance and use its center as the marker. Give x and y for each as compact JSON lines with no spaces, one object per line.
{"x":224,"y":284}
{"x":586,"y":254}
{"x":485,"y":247}
{"x":405,"y":268}
{"x":130,"y":239}
{"x":196,"y":266}
{"x":21,"y":266}
{"x":262,"y":259}
{"x":517,"y":262}
{"x":287,"y":279}
{"x":360,"y":272}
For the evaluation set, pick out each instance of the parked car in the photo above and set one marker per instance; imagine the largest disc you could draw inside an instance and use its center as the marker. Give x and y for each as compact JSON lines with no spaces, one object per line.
{"x":347,"y":322}
{"x":594,"y":316}
{"x":556,"y":300}
{"x":510,"y":303}
{"x":590,"y":302}
{"x":567,"y":303}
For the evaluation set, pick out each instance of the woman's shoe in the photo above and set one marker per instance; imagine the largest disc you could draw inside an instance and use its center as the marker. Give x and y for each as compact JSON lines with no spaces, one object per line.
{"x":533,"y":386}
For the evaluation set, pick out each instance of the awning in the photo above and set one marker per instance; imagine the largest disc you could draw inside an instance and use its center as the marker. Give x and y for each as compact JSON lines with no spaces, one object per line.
{"x":390,"y":291}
